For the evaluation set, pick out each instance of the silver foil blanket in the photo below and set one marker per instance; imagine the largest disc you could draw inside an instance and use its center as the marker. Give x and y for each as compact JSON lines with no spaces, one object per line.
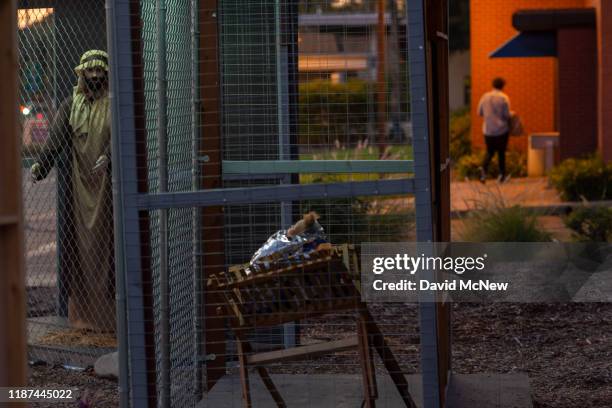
{"x":282,"y":250}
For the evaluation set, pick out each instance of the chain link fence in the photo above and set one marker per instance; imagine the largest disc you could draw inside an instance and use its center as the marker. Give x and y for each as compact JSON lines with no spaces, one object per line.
{"x":68,"y":209}
{"x":233,"y":92}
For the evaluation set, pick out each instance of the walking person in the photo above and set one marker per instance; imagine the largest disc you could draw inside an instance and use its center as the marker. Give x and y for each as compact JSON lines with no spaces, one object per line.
{"x":494,"y":107}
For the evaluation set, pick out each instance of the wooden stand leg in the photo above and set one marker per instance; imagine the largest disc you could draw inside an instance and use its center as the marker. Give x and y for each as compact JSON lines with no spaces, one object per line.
{"x":367,"y":365}
{"x":245,"y":347}
{"x":265,"y":377}
{"x":244,"y":374}
{"x":386,"y":354}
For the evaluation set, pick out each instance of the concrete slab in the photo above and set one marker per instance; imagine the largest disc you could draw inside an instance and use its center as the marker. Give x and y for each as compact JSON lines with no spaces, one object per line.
{"x":40,"y":223}
{"x":344,"y":391}
{"x":489,"y":391}
{"x":309,"y":391}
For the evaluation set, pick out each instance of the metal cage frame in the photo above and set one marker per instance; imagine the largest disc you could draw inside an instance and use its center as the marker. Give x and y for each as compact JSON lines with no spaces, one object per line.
{"x":133,"y":201}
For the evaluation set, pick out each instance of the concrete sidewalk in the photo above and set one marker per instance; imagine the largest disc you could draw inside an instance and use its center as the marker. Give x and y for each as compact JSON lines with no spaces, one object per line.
{"x":532,"y":191}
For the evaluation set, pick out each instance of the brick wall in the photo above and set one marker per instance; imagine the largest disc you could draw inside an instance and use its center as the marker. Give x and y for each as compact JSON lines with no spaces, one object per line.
{"x":604,"y":41}
{"x":531,"y":82}
{"x":577,"y":73}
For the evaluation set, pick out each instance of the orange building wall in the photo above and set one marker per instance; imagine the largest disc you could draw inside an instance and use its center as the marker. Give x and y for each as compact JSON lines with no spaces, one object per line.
{"x":530,"y":82}
{"x":604,"y":42}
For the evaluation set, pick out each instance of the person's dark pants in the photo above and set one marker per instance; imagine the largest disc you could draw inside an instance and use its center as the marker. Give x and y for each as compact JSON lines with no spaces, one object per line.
{"x":496,"y":144}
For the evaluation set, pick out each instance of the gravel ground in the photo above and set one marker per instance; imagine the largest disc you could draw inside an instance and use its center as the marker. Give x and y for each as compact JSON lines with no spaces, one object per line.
{"x":566,"y":349}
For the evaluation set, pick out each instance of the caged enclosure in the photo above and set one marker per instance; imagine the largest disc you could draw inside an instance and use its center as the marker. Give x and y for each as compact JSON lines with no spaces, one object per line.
{"x":68,"y":215}
{"x":253,"y":145}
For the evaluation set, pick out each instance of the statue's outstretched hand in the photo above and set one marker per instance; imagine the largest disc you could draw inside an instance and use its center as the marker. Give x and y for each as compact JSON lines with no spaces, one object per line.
{"x":36,"y":172}
{"x":100,"y":165}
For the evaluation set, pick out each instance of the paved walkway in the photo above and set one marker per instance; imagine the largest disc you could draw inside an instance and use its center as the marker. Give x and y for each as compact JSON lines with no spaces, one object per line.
{"x":472,"y":195}
{"x":40,"y":222}
{"x":532,"y":192}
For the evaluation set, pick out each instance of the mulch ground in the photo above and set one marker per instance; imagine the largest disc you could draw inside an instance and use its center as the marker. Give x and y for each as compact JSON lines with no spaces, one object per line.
{"x":566,"y":349}
{"x":42,"y":301}
{"x":98,"y":392}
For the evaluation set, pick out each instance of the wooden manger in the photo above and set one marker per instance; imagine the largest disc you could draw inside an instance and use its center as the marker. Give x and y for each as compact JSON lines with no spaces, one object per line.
{"x":326,"y":281}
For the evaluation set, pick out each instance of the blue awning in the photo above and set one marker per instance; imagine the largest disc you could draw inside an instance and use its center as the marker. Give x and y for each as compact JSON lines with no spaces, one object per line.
{"x":528,"y":44}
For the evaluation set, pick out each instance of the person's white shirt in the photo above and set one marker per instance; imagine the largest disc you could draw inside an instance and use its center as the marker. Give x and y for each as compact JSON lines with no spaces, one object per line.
{"x":494,"y":107}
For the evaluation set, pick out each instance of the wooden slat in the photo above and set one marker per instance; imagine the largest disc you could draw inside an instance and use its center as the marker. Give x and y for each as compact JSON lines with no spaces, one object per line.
{"x":436,"y":14}
{"x":263,"y":373}
{"x":386,"y":354}
{"x":8,"y":220}
{"x":296,"y":353}
{"x":273,"y":296}
{"x":267,"y":380}
{"x":367,"y":365}
{"x":309,"y":285}
{"x":274,"y":274}
{"x":209,"y":145}
{"x":13,"y":368}
{"x":244,"y":374}
{"x":259,"y":299}
{"x":318,"y":309}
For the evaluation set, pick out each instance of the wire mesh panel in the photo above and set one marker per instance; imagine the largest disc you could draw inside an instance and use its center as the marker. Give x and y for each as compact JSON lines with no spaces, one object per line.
{"x":242,"y":126}
{"x":65,"y":118}
{"x":171,"y":97}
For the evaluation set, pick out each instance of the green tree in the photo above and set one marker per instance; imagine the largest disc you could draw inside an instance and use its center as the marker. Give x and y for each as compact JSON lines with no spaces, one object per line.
{"x":459,"y":24}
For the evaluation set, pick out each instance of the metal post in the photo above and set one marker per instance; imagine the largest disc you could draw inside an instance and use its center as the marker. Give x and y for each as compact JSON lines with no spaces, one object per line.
{"x":380,"y":77}
{"x":197,"y":219}
{"x":397,"y":133}
{"x":282,"y":106}
{"x":131,"y":297}
{"x":63,"y":186}
{"x":282,"y":110}
{"x":162,"y":160}
{"x":122,"y":335}
{"x":423,"y":201}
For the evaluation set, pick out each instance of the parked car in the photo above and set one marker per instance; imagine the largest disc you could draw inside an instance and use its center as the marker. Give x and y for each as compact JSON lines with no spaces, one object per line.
{"x":35,"y":125}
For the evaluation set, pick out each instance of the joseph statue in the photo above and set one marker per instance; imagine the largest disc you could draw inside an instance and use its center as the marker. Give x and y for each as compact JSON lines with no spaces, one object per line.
{"x":81,"y":130}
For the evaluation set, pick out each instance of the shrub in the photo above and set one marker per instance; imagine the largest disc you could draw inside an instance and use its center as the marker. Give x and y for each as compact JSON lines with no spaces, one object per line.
{"x":362,"y":151}
{"x":330,"y":112}
{"x":469,"y":166}
{"x":356,"y":220}
{"x":460,"y":140}
{"x":590,"y":224}
{"x":583,"y":179}
{"x":503,"y":224}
